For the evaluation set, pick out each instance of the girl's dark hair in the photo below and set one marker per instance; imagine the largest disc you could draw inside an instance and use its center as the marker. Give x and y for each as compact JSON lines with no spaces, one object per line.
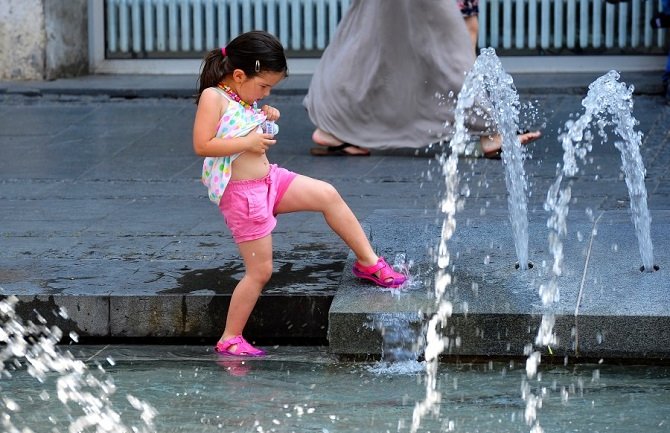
{"x":253,"y":52}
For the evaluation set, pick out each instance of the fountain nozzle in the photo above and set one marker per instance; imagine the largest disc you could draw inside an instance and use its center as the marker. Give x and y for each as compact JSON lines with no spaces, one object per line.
{"x":653,"y":269}
{"x":530,"y":265}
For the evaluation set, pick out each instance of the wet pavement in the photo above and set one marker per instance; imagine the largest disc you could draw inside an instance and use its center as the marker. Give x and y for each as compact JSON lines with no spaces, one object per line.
{"x":104,"y":214}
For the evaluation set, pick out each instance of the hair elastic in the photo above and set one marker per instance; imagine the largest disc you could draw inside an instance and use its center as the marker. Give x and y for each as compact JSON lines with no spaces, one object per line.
{"x":223,"y":51}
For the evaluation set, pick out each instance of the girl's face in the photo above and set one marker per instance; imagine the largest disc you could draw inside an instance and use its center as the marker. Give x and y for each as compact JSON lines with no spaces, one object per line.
{"x":255,"y":88}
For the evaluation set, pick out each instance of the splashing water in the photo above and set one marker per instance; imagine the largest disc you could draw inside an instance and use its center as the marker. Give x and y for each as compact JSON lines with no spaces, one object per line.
{"x":400,"y":346}
{"x":34,"y":346}
{"x":606,"y":96}
{"x":498,"y":87}
{"x":487,"y":90}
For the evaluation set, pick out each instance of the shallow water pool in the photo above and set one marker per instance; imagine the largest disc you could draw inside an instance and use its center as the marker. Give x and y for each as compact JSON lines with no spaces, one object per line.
{"x":298,"y":389}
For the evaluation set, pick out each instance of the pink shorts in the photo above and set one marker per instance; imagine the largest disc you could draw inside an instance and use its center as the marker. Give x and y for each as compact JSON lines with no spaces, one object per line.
{"x":248,"y":206}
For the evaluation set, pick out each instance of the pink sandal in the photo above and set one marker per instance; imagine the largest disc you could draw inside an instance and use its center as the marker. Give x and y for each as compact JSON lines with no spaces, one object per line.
{"x":387,"y":276}
{"x":243,"y":348}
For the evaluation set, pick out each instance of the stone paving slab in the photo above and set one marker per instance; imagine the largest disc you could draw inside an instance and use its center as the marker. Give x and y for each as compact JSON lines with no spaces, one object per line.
{"x":607,"y":307}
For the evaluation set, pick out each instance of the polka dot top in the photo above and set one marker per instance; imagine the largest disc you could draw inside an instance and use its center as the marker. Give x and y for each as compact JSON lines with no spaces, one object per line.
{"x":236,"y":121}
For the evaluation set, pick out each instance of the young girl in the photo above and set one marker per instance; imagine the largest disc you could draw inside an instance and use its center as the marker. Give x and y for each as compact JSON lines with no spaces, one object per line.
{"x":250,"y":191}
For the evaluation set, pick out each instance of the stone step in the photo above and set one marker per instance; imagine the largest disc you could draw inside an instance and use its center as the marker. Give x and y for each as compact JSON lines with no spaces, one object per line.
{"x":163,"y":300}
{"x":607,"y":306}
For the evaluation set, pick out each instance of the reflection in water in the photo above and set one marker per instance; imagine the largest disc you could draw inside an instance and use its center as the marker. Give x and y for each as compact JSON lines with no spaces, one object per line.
{"x":608,"y":102}
{"x":487,"y":90}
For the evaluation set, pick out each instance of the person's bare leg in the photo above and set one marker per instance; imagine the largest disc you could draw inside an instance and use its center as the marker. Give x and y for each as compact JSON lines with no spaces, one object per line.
{"x":472,"y":24}
{"x":257,"y":256}
{"x":308,"y":194}
{"x":323,"y":138}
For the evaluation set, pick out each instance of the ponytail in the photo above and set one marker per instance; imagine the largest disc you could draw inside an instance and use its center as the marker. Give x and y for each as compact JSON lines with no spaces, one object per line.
{"x":253,"y":52}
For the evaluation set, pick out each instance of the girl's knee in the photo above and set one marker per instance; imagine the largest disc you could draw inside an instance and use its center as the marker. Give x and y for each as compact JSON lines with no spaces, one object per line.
{"x":260,"y":274}
{"x":330,"y":193}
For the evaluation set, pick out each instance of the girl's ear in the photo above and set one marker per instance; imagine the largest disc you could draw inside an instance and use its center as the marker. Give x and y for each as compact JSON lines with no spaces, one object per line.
{"x":239,"y":76}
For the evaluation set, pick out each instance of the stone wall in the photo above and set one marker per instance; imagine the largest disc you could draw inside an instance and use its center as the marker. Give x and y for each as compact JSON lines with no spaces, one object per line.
{"x":43,"y":39}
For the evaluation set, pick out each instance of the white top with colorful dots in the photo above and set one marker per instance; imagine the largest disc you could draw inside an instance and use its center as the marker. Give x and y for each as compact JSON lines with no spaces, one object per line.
{"x":236,"y":121}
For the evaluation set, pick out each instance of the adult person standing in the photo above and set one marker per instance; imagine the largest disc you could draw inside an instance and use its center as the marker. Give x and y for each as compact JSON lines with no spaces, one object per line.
{"x":389,"y":79}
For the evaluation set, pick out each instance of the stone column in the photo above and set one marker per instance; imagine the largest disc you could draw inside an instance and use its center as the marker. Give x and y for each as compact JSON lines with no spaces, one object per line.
{"x":43,"y":39}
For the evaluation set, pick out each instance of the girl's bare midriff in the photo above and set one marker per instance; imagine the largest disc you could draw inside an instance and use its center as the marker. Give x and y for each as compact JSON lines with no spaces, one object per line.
{"x":250,"y":166}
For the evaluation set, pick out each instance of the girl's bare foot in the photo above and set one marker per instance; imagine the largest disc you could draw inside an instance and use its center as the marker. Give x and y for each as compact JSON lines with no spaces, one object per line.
{"x":322,"y":138}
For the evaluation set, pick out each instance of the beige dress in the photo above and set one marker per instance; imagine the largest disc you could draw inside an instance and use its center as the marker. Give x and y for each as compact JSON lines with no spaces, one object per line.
{"x":389,"y":77}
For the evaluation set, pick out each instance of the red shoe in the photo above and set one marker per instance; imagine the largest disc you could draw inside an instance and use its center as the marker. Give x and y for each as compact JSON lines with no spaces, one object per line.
{"x":387,"y":276}
{"x":242,"y":347}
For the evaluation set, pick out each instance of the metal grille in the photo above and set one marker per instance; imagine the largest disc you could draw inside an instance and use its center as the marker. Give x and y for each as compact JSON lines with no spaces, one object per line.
{"x":145,"y":26}
{"x":568,"y":24}
{"x":183,"y":28}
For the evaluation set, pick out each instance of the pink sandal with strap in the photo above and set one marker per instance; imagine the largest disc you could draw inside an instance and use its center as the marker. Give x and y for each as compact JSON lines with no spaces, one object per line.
{"x":386,"y":276}
{"x":242,"y":347}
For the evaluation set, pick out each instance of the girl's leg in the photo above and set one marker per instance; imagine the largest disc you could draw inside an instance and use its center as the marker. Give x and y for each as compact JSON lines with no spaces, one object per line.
{"x":257,"y":256}
{"x":308,"y":194}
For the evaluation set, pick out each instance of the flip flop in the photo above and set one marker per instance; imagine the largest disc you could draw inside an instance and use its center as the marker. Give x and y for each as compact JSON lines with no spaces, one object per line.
{"x":336,"y":150}
{"x":493,"y":154}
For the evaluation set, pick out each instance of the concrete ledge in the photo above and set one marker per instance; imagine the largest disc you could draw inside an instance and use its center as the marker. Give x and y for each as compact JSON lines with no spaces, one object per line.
{"x":299,"y":319}
{"x":607,"y":307}
{"x":145,"y":300}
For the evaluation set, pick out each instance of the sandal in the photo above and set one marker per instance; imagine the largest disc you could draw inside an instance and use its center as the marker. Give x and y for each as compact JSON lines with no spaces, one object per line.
{"x":340,"y":150}
{"x":242,"y":347}
{"x":387,"y":276}
{"x":493,"y":154}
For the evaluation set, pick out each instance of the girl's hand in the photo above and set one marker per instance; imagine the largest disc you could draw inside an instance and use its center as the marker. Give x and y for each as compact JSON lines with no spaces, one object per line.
{"x":259,"y":143}
{"x":270,"y":112}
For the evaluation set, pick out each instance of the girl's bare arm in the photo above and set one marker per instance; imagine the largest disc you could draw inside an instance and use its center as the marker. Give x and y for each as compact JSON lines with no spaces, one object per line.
{"x":205,"y":142}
